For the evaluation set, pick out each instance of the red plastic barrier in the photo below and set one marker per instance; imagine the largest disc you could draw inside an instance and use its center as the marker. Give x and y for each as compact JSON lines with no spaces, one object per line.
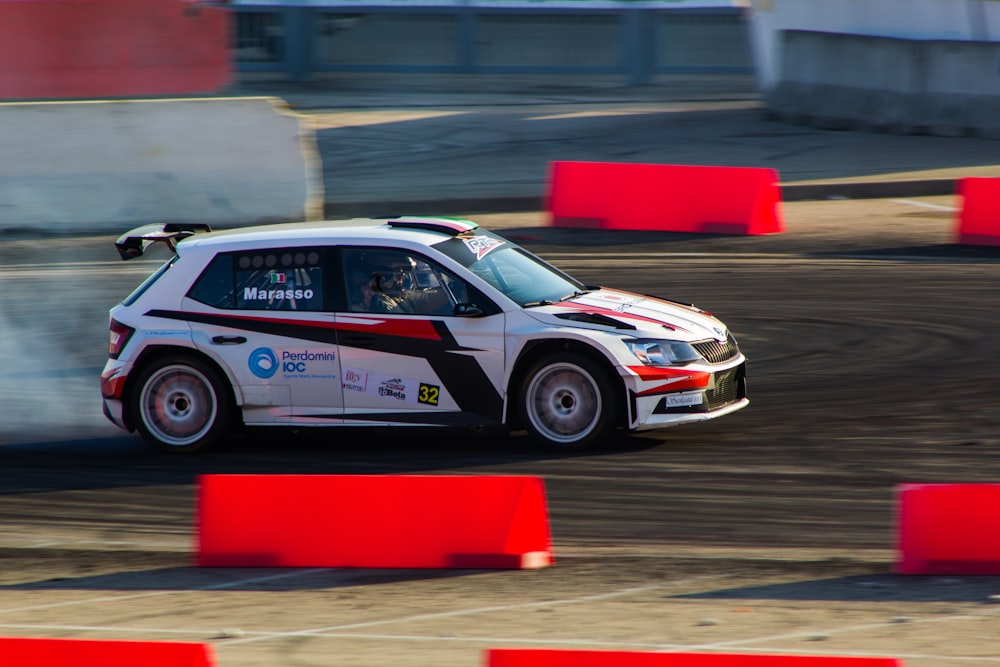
{"x":979,"y":216}
{"x":61,"y":49}
{"x":377,"y":521}
{"x":570,"y":658}
{"x":32,"y":652}
{"x":664,"y":197}
{"x":948,"y":529}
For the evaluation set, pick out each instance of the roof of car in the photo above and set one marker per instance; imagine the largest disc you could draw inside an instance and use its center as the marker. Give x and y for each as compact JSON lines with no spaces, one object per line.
{"x":421,"y":230}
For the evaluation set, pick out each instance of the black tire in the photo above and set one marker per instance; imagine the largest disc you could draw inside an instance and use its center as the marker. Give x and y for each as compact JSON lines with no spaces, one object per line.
{"x":180,"y":405}
{"x":568,"y":402}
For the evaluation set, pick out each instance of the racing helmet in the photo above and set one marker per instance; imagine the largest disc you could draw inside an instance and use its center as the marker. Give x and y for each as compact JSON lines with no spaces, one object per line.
{"x":390,"y":272}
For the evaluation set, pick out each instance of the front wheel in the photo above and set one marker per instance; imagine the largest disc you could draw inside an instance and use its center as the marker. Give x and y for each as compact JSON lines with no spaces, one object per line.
{"x":567,"y":401}
{"x":179,"y":405}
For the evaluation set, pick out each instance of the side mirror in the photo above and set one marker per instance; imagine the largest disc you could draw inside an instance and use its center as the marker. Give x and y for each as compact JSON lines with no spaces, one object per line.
{"x":468,"y":310}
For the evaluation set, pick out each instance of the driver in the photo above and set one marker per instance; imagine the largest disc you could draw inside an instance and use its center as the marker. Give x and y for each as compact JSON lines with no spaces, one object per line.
{"x":384,"y":283}
{"x":379,"y":283}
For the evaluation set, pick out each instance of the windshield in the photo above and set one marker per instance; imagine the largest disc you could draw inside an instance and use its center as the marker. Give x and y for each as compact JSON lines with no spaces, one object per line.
{"x":521,"y":276}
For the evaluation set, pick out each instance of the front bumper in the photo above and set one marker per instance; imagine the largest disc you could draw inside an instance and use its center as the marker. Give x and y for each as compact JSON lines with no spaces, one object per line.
{"x":653,"y":421}
{"x":663,"y":397}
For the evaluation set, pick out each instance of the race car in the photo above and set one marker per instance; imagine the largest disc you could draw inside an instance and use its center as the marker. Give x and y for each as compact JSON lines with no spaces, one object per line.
{"x":405,"y":321}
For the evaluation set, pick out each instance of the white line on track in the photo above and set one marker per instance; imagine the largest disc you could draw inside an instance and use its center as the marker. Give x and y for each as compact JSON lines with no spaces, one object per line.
{"x":338,"y":631}
{"x":258,"y":636}
{"x":147,"y":263}
{"x":662,"y":647}
{"x":923,"y":204}
{"x":644,"y":646}
{"x":477,"y":610}
{"x":861,"y":627}
{"x":100,"y":628}
{"x":715,"y":257}
{"x":63,"y":274}
{"x":741,"y":644}
{"x":119,"y":598}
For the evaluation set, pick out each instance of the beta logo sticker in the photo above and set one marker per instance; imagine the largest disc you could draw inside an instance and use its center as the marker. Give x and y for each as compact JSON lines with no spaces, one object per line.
{"x":428,"y":393}
{"x":393,"y":388}
{"x":263,"y":362}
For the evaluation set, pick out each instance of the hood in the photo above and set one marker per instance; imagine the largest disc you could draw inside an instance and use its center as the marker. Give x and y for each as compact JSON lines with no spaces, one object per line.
{"x":642,"y":316}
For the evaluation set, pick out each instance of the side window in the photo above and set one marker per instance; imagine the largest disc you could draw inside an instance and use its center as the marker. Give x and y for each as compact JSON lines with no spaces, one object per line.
{"x":278,"y":279}
{"x":473,"y":297}
{"x":379,"y":280}
{"x":214,"y":286}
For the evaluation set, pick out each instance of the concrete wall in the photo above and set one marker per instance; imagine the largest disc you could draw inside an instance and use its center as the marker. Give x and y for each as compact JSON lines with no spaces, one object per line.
{"x":936,"y":87}
{"x":108,"y":166}
{"x":909,"y":66}
{"x":977,"y":20}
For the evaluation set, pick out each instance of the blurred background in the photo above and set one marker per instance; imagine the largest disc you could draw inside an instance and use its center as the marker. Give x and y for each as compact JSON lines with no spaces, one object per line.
{"x":902,"y":65}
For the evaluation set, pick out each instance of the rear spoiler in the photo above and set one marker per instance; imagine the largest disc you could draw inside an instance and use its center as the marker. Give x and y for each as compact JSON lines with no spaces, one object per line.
{"x":133,"y":243}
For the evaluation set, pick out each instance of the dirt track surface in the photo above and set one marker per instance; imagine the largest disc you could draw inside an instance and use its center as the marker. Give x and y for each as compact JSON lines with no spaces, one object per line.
{"x":874,"y":361}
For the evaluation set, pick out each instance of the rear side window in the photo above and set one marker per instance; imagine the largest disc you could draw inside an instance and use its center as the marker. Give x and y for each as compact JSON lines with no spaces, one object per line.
{"x":148,"y":282}
{"x":215,"y":285}
{"x":272,"y":279}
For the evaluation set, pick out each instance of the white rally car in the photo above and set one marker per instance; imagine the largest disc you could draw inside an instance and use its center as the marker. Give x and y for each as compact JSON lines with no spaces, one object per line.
{"x":403,"y":321}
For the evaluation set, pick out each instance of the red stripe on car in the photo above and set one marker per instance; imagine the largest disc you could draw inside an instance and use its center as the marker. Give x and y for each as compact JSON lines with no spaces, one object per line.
{"x":407,"y":328}
{"x":671,"y":379}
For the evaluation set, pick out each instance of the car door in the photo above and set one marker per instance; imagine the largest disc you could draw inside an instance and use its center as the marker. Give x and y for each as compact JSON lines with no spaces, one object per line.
{"x":263,"y":315}
{"x":417,"y":363}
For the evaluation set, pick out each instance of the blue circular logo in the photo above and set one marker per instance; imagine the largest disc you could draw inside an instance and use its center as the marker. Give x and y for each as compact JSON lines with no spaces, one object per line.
{"x":263,"y":362}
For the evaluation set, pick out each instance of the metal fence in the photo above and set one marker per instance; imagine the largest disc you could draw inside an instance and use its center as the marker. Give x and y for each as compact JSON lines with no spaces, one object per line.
{"x":635,"y":43}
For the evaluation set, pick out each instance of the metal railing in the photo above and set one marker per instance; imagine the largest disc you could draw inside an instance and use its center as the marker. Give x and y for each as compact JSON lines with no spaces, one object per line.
{"x":635,"y":43}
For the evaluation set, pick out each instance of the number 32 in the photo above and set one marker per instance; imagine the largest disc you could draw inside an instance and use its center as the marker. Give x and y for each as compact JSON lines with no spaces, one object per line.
{"x":428,"y":393}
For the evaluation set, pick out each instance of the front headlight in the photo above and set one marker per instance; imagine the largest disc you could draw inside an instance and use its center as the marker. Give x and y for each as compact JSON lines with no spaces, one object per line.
{"x":654,"y":352}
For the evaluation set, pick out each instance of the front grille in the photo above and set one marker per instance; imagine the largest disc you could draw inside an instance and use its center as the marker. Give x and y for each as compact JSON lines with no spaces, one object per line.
{"x":716,"y":352}
{"x":729,"y":388}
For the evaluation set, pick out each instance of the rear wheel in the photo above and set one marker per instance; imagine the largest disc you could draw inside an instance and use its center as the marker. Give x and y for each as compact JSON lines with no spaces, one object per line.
{"x":567,"y":401}
{"x":179,"y":405}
